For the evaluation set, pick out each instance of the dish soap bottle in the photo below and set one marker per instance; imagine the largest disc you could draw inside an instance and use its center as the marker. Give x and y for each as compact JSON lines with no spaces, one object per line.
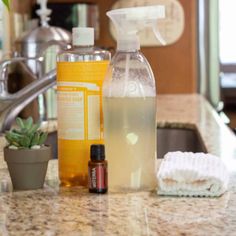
{"x":80,"y":74}
{"x":129,"y":103}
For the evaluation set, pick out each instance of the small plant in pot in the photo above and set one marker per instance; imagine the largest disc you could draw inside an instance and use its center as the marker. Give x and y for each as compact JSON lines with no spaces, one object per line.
{"x":26,"y":155}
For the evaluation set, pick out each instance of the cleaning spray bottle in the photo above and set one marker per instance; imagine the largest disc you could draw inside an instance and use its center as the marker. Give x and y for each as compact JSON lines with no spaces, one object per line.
{"x":80,"y":74}
{"x":129,"y":102}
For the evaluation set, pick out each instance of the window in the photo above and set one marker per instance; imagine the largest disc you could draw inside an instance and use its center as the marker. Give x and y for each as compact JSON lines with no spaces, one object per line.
{"x":227,"y":34}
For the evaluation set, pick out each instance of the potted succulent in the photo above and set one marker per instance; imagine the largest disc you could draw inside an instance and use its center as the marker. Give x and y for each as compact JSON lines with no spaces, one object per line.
{"x":26,"y":155}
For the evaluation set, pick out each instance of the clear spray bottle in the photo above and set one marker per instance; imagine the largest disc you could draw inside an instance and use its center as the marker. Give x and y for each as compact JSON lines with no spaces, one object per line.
{"x":129,"y":102}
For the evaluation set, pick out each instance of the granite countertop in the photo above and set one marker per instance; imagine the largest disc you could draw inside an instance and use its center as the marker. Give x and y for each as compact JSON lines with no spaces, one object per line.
{"x":73,"y":211}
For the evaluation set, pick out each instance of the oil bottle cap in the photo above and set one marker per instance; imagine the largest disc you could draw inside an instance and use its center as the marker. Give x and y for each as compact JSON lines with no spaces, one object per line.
{"x":83,"y":36}
{"x":97,"y":152}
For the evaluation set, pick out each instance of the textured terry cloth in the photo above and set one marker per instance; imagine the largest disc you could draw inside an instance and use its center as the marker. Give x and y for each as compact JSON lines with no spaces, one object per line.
{"x":192,"y":174}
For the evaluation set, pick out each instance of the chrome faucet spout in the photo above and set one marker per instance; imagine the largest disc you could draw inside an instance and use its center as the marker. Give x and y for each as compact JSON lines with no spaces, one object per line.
{"x":23,"y":97}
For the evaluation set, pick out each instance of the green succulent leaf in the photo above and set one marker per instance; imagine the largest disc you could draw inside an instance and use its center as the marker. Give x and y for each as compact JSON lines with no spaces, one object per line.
{"x":34,"y":128}
{"x":28,"y":123}
{"x":42,"y":139}
{"x":23,"y":131}
{"x":9,"y":138}
{"x":13,"y":137}
{"x":25,"y":142}
{"x":16,"y":131}
{"x":20,"y":122}
{"x":35,"y":139}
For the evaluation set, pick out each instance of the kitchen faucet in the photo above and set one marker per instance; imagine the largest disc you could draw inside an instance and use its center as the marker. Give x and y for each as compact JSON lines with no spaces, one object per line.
{"x":12,"y":104}
{"x":32,"y":47}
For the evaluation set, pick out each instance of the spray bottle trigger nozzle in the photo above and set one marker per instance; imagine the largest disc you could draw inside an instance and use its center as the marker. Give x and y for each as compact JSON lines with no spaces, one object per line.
{"x":158,"y":35}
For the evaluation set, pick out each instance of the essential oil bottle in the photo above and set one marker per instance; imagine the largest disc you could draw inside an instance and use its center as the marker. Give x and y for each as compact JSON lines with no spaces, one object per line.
{"x":97,"y":169}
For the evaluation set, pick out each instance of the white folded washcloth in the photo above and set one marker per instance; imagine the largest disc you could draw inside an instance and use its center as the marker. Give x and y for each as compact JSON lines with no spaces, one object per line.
{"x":192,"y":174}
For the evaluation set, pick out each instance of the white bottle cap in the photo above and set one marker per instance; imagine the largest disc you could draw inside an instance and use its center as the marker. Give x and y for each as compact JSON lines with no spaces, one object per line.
{"x":83,"y":36}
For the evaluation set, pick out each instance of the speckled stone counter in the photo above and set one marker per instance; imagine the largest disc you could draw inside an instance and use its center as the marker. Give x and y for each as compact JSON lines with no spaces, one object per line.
{"x":72,"y":211}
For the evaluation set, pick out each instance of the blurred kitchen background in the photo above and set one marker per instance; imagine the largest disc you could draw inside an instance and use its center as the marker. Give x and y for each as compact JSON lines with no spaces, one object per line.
{"x":200,"y":55}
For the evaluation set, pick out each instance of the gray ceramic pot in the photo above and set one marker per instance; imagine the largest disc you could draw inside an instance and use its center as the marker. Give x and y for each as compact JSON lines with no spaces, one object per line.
{"x":27,"y":167}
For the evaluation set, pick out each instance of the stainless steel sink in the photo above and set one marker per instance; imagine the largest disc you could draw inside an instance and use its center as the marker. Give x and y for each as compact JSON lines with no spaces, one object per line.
{"x":175,"y":139}
{"x":168,"y":139}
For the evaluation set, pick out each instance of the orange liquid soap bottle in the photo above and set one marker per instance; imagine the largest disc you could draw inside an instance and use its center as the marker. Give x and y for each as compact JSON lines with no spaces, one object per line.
{"x":80,"y":75}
